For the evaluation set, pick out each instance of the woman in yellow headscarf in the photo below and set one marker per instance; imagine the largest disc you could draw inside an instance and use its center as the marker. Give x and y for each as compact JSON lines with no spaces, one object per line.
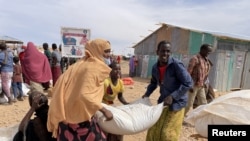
{"x":78,"y":94}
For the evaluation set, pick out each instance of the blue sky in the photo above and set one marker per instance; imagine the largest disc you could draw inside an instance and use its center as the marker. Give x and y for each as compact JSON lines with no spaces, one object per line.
{"x":122,"y":22}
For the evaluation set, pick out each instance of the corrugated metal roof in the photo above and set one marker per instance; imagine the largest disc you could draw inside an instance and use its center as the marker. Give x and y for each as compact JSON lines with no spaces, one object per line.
{"x":216,"y":34}
{"x":231,"y":36}
{"x":8,"y":39}
{"x":147,"y":36}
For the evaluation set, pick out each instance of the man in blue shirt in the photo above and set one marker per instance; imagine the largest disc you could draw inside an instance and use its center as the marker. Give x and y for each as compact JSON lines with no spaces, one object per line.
{"x":174,"y":81}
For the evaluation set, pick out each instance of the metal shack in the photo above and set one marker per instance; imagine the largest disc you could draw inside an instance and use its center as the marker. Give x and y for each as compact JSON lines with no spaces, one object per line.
{"x":230,"y":58}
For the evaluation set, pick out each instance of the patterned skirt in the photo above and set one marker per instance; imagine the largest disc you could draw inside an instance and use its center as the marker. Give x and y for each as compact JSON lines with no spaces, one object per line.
{"x":168,"y":127}
{"x":84,"y":131}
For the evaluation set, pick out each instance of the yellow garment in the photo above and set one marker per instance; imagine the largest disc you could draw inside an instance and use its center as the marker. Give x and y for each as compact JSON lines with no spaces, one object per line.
{"x":168,"y":127}
{"x":78,"y":92}
{"x":108,"y":97}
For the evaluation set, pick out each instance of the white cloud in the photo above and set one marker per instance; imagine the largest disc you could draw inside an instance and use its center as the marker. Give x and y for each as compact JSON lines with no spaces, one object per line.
{"x":122,"y":22}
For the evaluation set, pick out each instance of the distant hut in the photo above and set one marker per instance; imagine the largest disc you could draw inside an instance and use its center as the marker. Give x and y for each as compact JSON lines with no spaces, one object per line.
{"x":12,"y":43}
{"x":10,"y":40}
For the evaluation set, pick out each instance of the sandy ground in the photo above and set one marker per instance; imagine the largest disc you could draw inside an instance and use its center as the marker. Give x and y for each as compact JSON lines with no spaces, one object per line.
{"x":13,"y":114}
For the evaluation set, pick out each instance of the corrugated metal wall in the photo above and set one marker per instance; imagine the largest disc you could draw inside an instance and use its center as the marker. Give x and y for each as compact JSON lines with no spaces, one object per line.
{"x":152,"y":60}
{"x":230,"y":59}
{"x":208,"y":38}
{"x":245,"y":83}
{"x":138,"y":49}
{"x":213,"y":57}
{"x":180,"y":40}
{"x":144,"y":66}
{"x":139,"y":66}
{"x":238,"y":63}
{"x":150,"y":45}
{"x":196,"y":39}
{"x":223,"y":67}
{"x":164,"y":34}
{"x":185,"y":59}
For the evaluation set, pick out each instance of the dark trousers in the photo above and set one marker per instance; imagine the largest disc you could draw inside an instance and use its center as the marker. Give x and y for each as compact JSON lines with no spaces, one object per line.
{"x":17,"y":89}
{"x":46,"y":85}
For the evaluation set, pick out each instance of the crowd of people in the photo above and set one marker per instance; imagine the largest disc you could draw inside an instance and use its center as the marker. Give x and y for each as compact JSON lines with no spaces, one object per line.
{"x":79,"y":91}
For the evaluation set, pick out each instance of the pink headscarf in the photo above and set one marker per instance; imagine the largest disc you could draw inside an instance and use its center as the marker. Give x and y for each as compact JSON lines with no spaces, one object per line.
{"x":35,"y":65}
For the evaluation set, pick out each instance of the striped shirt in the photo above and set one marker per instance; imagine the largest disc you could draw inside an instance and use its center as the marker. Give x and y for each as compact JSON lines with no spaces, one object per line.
{"x":198,"y":68}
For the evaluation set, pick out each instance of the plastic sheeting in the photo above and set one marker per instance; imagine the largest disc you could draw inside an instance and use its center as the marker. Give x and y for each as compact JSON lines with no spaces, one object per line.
{"x":230,"y":109}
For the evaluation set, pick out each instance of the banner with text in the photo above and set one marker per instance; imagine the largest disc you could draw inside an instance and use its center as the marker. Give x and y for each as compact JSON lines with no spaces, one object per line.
{"x":73,"y":41}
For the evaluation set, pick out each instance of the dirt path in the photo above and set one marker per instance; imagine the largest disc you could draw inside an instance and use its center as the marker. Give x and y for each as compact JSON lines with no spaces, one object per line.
{"x":12,"y":114}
